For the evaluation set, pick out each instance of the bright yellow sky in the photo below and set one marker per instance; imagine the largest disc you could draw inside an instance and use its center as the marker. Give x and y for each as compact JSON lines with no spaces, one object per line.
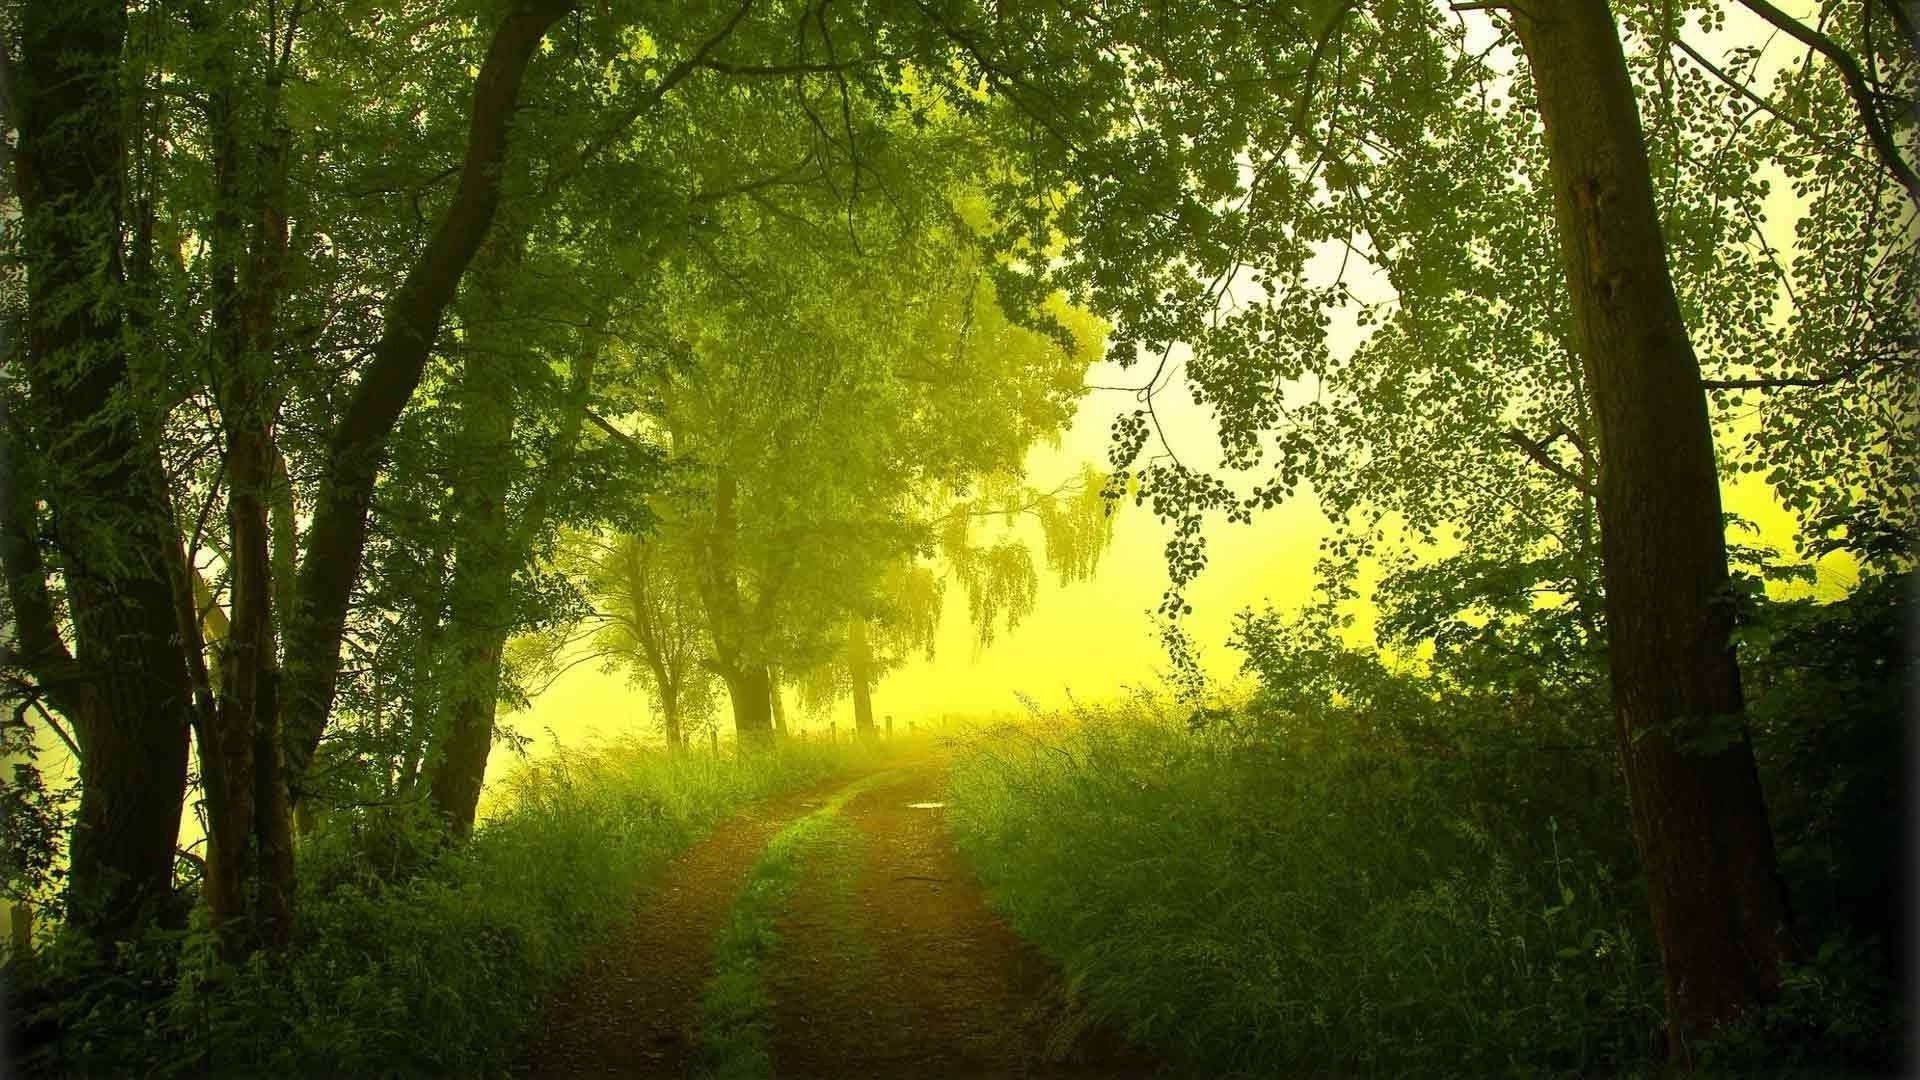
{"x":1091,"y":639}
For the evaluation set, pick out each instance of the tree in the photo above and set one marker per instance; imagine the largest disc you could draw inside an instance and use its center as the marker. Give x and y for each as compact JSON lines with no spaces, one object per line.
{"x":1202,"y":184}
{"x":125,"y":683}
{"x":69,"y":158}
{"x":645,"y":617}
{"x":1701,"y":821}
{"x":901,"y":618}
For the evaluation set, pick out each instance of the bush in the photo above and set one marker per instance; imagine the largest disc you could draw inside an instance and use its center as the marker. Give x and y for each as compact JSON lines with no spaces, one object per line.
{"x":437,"y":970}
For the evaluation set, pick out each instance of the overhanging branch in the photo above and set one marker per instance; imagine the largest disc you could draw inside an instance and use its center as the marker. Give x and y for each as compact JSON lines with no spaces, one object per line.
{"x":1858,"y":88}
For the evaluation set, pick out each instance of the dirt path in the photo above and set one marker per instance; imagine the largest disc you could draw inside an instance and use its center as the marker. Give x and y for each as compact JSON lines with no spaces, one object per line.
{"x":889,"y":962}
{"x":633,"y":1010}
{"x":885,"y":960}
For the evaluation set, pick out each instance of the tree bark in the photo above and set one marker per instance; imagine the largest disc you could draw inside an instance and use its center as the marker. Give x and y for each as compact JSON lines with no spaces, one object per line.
{"x":779,"y":706}
{"x":860,"y":667}
{"x":752,"y":711}
{"x":670,"y":723}
{"x":337,"y":537}
{"x":1698,"y":813}
{"x":249,"y":882}
{"x":128,"y":689}
{"x":423,"y":698}
{"x":483,"y":568}
{"x":492,"y":549}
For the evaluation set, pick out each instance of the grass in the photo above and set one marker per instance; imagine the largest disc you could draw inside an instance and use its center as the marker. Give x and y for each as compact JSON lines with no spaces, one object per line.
{"x":437,"y":971}
{"x":1258,"y":907}
{"x":734,"y":1010}
{"x":1373,"y":869}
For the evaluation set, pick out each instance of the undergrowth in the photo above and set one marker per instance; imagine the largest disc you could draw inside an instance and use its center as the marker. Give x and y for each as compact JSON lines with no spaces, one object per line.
{"x":1363,"y":869}
{"x":431,"y":966}
{"x":1259,"y":911}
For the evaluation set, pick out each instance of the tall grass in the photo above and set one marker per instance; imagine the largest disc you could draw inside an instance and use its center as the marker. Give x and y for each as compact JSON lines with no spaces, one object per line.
{"x":435,"y":969}
{"x":1261,"y":905}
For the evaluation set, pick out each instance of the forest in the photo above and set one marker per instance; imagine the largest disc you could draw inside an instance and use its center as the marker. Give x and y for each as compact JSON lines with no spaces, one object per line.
{"x":912,"y":538}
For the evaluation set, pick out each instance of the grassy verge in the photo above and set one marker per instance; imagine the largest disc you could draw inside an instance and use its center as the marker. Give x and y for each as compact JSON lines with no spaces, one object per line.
{"x":1254,"y":910}
{"x":433,"y":971}
{"x":734,"y":1010}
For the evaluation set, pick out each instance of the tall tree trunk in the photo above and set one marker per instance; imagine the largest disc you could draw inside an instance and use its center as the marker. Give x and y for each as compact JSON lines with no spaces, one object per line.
{"x":752,"y":712}
{"x":484,"y":564}
{"x":1698,"y":814}
{"x":746,"y":677}
{"x":337,"y":537}
{"x":492,"y":549}
{"x":860,"y":667}
{"x":127,"y":686}
{"x":779,"y":706}
{"x":249,"y":884}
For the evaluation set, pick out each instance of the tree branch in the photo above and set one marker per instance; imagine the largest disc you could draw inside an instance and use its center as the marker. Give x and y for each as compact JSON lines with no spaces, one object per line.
{"x":1858,"y":89}
{"x":1538,"y":452}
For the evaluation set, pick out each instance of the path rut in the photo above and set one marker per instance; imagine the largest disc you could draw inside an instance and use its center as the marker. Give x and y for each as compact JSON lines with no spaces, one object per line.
{"x":632,"y":1012}
{"x":887,"y":960}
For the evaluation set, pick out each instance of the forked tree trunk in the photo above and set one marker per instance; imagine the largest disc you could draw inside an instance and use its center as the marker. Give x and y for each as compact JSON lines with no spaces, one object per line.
{"x":127,"y":686}
{"x":1698,"y":815}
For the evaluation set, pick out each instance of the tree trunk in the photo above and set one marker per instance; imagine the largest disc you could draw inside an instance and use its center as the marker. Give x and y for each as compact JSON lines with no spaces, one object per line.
{"x":127,"y":686}
{"x":337,"y":538}
{"x":670,"y":723}
{"x":860,"y":665}
{"x":461,"y":769}
{"x":423,"y":698}
{"x":1698,"y":814}
{"x":779,"y":706}
{"x":752,"y":707}
{"x":492,"y":550}
{"x":249,"y":883}
{"x":484,"y":562}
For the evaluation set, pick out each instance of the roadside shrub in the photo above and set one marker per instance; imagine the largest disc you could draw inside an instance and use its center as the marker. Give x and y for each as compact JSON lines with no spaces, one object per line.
{"x":1427,"y":869}
{"x":437,"y":969}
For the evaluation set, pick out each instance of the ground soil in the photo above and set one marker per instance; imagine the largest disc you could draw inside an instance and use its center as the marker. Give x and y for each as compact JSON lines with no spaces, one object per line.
{"x":888,"y":962}
{"x":633,"y":1010}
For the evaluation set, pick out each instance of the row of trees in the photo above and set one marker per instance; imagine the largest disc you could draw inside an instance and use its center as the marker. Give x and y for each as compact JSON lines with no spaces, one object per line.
{"x":319,"y":357}
{"x":415,"y":301}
